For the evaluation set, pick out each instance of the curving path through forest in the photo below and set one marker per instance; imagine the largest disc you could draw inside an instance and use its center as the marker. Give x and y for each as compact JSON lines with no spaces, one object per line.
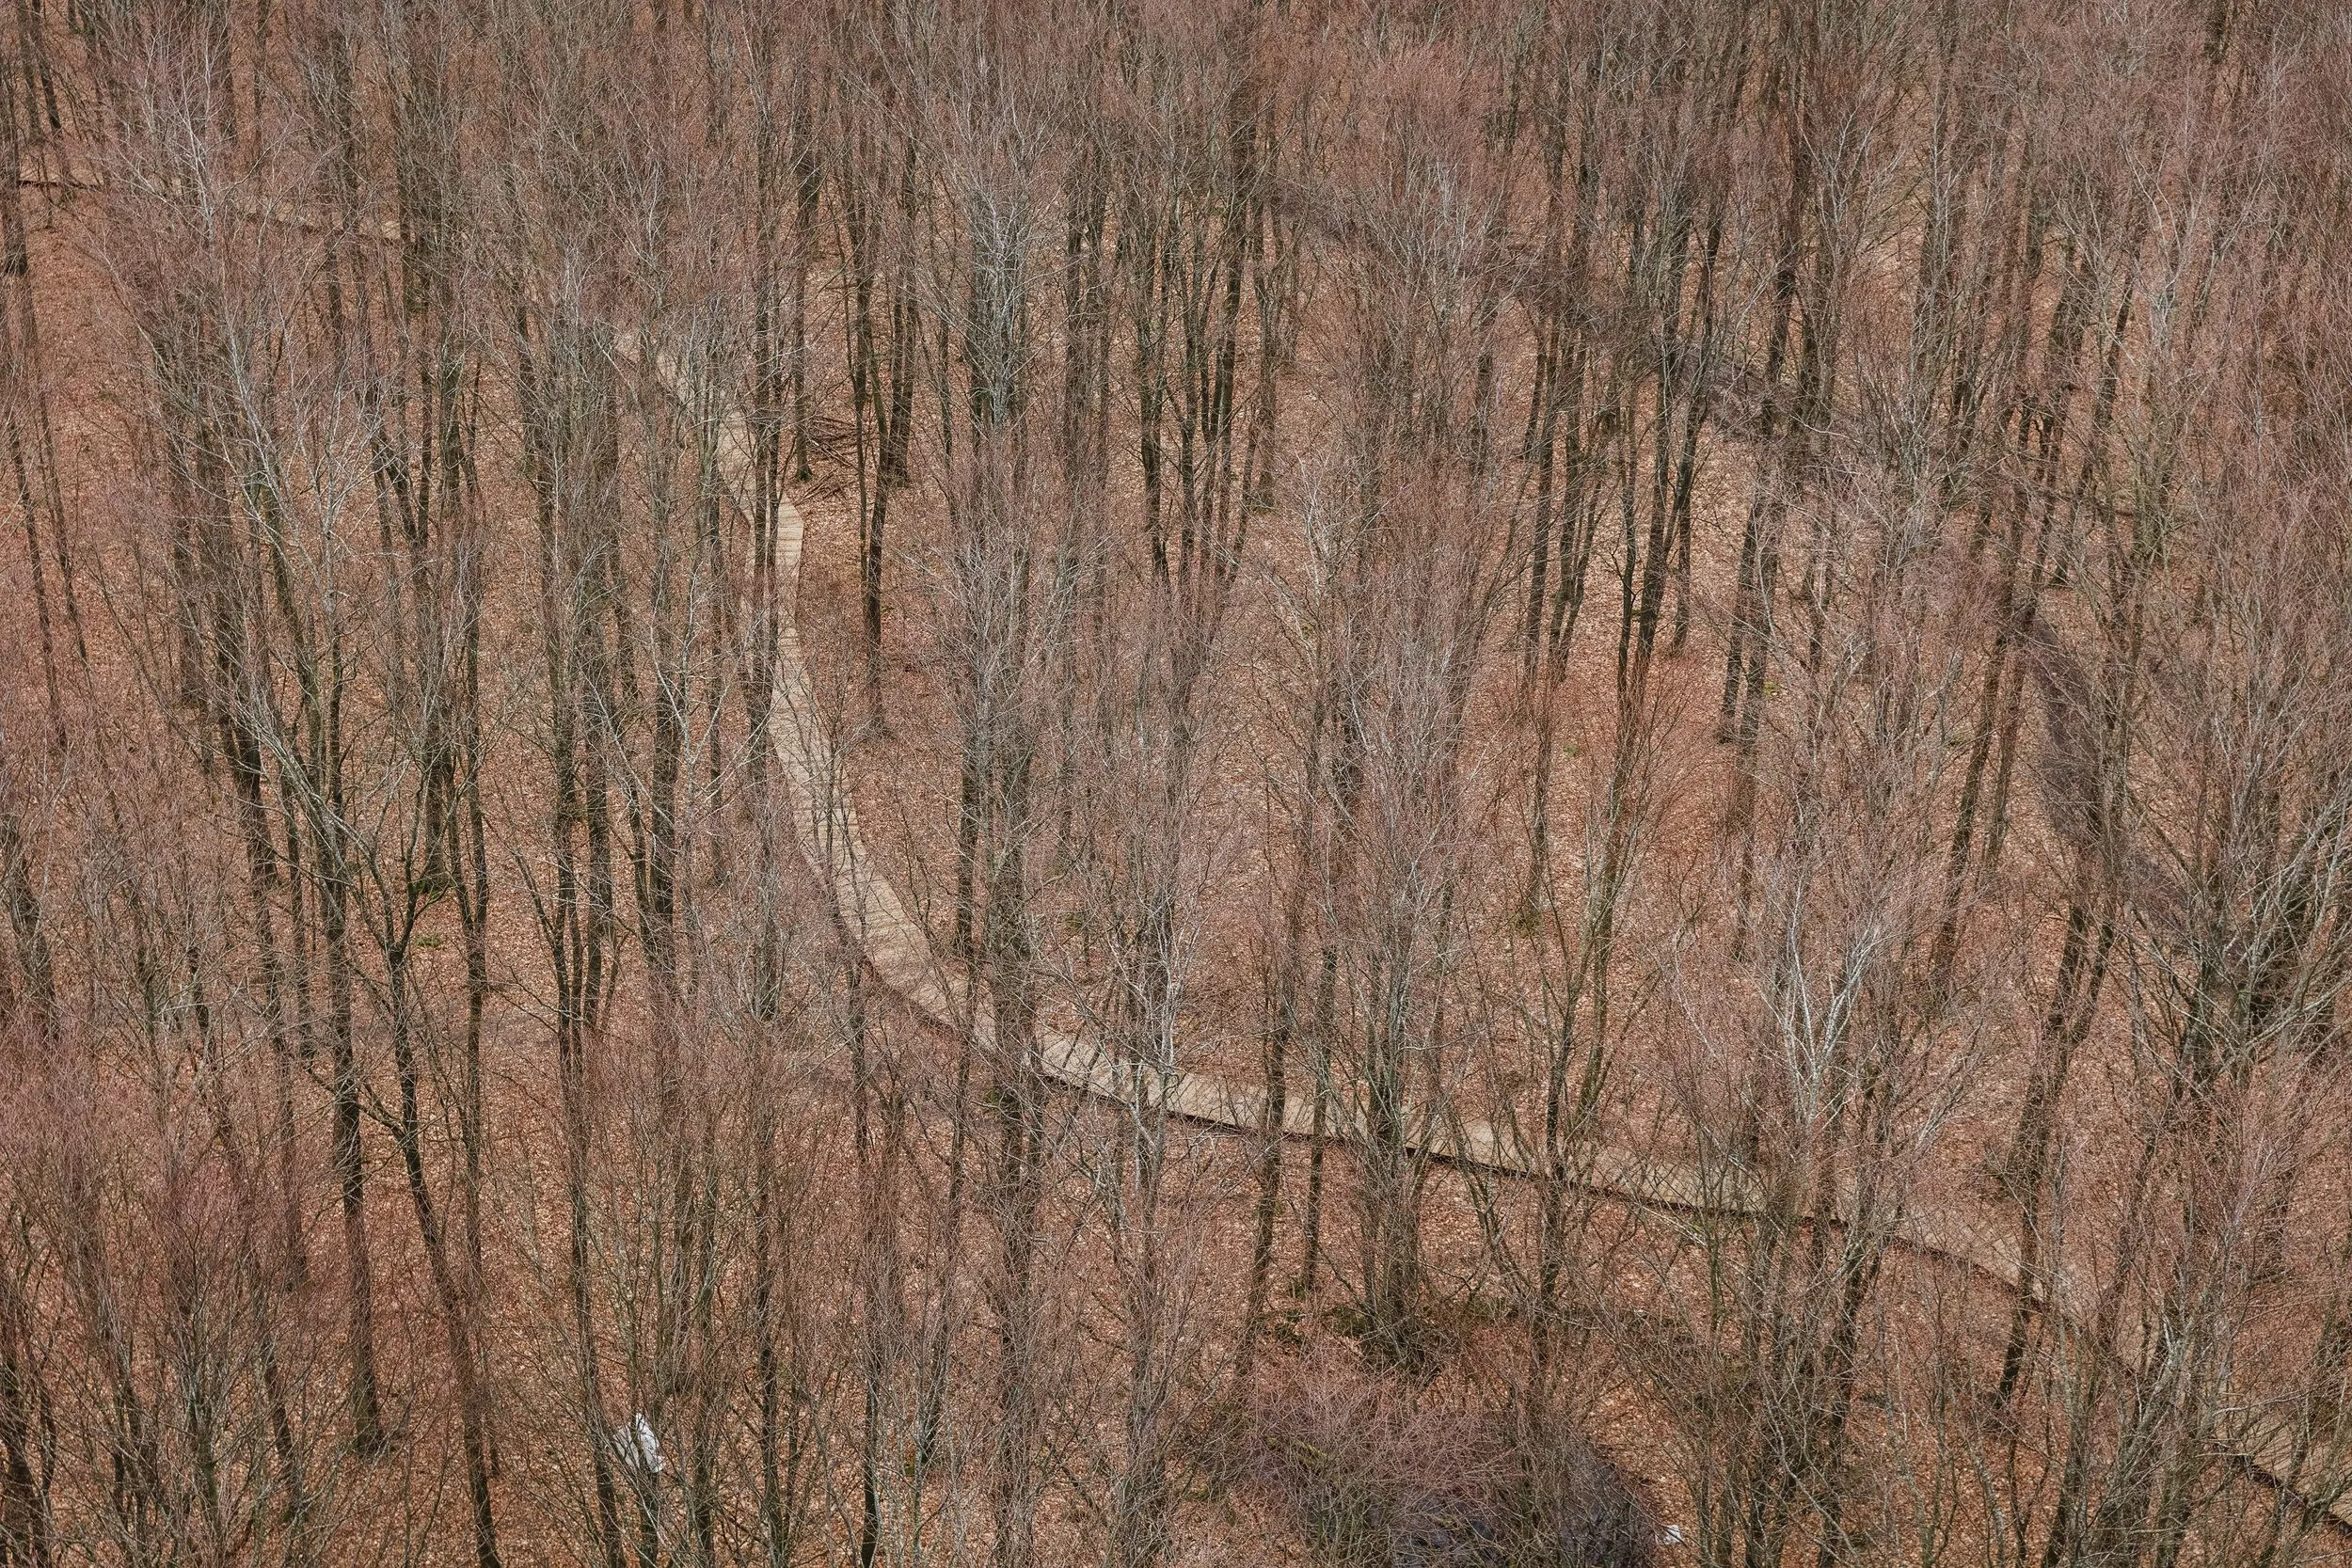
{"x":896,"y":950}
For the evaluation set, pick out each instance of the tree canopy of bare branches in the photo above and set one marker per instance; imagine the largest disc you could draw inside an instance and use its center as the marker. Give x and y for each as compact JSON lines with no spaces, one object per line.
{"x":1543,"y":782}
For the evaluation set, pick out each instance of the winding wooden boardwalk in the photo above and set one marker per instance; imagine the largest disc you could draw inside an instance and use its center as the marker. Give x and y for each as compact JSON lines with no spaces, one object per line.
{"x":898,"y":951}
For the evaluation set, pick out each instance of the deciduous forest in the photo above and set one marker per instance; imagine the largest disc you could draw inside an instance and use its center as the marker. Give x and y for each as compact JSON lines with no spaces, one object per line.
{"x":1514,"y":784}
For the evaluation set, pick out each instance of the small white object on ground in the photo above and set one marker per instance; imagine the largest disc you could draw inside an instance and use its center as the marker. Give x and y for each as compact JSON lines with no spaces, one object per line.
{"x":1671,"y":1535}
{"x":636,"y":1445}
